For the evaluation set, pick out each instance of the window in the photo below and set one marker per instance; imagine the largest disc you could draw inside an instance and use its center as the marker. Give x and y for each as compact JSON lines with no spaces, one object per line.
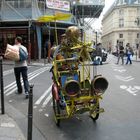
{"x":120,"y":35}
{"x":121,"y":22}
{"x":121,"y":12}
{"x":138,"y":35}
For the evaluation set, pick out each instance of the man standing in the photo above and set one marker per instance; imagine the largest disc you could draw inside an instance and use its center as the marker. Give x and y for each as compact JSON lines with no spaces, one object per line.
{"x":120,"y":53}
{"x":21,"y":69}
{"x":129,"y":53}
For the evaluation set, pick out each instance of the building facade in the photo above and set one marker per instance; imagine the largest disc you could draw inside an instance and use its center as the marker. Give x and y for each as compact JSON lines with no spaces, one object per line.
{"x":19,"y":17}
{"x":120,"y":24}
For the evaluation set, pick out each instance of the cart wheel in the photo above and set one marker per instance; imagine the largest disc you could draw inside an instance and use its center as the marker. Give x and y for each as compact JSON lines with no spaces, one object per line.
{"x":95,"y":114}
{"x":56,"y":108}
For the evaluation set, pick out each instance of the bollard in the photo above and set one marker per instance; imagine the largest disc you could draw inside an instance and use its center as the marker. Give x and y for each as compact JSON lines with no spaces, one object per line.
{"x":30,"y":113}
{"x":1,"y":84}
{"x":136,"y":55}
{"x":45,"y":56}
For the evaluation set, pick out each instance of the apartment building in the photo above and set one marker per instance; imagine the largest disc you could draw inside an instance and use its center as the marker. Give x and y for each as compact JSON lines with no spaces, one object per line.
{"x":120,"y":24}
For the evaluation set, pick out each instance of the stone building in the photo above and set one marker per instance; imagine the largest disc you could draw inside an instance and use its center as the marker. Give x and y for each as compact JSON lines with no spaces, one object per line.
{"x":121,"y":24}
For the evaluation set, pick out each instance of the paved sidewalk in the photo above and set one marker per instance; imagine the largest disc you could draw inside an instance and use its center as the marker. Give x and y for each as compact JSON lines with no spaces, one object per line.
{"x":41,"y":62}
{"x":9,"y":129}
{"x":135,"y":58}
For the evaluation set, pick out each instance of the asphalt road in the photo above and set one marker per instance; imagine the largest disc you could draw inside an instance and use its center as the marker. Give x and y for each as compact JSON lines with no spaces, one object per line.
{"x":121,"y":101}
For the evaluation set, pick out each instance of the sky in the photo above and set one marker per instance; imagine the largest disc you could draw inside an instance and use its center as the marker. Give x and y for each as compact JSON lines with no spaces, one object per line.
{"x":97,"y":23}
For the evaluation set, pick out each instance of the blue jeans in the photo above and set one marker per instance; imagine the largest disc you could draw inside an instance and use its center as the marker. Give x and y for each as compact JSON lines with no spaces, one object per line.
{"x":18,"y":72}
{"x":128,"y":59}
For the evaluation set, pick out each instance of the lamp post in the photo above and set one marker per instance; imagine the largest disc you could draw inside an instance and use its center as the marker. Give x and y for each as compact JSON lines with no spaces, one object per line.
{"x":137,"y":21}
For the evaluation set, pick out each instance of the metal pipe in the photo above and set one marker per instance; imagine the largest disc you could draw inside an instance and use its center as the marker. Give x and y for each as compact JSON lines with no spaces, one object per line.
{"x":14,"y":27}
{"x":30,"y":113}
{"x":2,"y":88}
{"x":29,"y":42}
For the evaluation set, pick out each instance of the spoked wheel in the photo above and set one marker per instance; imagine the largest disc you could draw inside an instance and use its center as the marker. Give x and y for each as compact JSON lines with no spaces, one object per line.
{"x":95,"y":113}
{"x":56,"y":108}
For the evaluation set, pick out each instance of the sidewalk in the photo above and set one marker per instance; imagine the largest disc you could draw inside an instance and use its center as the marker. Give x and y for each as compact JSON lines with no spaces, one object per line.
{"x":41,"y":62}
{"x":9,"y":129}
{"x":14,"y":125}
{"x":136,"y":58}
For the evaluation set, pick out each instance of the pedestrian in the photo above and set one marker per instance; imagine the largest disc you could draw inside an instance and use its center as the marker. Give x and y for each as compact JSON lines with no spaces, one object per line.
{"x":120,"y":53}
{"x":21,"y":69}
{"x":58,"y":51}
{"x":129,"y":54}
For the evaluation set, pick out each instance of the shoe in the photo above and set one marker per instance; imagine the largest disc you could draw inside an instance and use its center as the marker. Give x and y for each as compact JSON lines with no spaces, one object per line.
{"x":16,"y":92}
{"x":26,"y":96}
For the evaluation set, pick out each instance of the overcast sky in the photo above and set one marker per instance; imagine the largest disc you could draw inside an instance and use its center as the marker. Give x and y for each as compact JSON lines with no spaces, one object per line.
{"x":97,"y":23}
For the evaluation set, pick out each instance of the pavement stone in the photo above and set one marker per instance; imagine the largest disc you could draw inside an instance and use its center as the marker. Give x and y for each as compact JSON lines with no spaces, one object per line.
{"x":9,"y":129}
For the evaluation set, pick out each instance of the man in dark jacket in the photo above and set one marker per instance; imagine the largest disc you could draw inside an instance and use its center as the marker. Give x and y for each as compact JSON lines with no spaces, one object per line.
{"x":20,"y":69}
{"x":120,"y":53}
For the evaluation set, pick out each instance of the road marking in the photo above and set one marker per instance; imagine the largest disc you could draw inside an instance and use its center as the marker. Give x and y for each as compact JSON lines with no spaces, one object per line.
{"x":9,"y":124}
{"x":137,"y":87}
{"x":35,"y":107}
{"x":40,"y":110}
{"x":10,"y":90}
{"x":130,"y":89}
{"x":43,"y":96}
{"x":8,"y":72}
{"x":125,"y":79}
{"x":47,"y":100}
{"x":47,"y":115}
{"x":30,"y":74}
{"x":120,"y":70}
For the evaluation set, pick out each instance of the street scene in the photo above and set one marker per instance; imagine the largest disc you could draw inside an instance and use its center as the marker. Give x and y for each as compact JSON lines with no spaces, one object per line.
{"x":121,"y":103}
{"x":69,"y":70}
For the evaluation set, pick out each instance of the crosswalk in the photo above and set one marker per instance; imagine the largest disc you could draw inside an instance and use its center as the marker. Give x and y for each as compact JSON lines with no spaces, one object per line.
{"x":11,"y":88}
{"x":43,"y":99}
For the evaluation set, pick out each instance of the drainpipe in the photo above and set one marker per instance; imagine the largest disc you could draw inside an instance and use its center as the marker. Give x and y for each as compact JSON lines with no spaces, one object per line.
{"x":29,"y":41}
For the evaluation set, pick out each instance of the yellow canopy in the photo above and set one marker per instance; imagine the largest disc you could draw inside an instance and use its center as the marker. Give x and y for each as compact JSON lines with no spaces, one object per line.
{"x":57,"y":16}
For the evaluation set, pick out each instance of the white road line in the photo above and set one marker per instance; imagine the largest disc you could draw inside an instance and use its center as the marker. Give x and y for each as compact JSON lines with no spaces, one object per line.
{"x":13,"y":85}
{"x":47,"y":100}
{"x":28,"y":80}
{"x":130,"y":89}
{"x":36,"y":71}
{"x":120,"y":70}
{"x":8,"y":72}
{"x":43,"y":96}
{"x":125,"y":79}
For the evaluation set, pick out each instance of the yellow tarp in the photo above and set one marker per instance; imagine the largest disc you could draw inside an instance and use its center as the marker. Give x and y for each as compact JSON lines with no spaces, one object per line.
{"x":57,"y":16}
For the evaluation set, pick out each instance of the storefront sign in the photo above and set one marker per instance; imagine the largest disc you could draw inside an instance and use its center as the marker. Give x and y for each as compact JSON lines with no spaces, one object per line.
{"x":57,"y":4}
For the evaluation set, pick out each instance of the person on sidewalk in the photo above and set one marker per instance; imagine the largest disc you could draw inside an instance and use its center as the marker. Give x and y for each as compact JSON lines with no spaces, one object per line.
{"x":129,"y":54}
{"x":120,"y":53}
{"x":21,"y":69}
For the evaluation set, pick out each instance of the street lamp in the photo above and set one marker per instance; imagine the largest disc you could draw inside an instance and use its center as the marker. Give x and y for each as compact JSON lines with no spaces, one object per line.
{"x":137,"y":21}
